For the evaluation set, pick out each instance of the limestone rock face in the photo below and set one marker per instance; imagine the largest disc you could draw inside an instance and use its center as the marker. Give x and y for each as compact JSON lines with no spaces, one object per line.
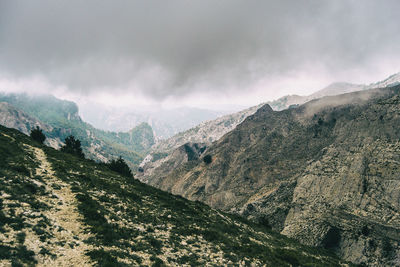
{"x":325,"y":173}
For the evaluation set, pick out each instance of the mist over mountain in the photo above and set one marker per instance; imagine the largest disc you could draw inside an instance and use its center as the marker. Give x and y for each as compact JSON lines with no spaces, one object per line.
{"x":332,"y":89}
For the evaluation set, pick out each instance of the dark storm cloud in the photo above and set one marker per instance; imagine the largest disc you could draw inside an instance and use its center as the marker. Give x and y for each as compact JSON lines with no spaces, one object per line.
{"x":165,"y":48}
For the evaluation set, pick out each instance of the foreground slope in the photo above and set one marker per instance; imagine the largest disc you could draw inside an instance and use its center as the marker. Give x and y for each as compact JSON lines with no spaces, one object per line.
{"x":325,"y":173}
{"x":59,"y":210}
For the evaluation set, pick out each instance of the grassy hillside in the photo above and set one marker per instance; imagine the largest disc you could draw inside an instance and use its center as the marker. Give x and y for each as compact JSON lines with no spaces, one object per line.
{"x":59,"y":210}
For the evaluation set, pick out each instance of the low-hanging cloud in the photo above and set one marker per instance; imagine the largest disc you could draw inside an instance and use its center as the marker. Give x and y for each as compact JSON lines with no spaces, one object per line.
{"x":174,"y":48}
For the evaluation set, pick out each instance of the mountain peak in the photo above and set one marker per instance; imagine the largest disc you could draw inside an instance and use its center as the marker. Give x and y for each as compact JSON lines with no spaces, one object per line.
{"x":265,"y":109}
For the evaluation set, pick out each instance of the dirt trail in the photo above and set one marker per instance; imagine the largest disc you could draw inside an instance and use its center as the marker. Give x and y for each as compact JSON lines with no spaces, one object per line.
{"x":64,"y":216}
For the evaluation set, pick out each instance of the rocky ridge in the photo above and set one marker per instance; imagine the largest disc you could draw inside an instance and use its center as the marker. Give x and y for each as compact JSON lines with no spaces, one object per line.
{"x":210,"y":131}
{"x":325,"y":173}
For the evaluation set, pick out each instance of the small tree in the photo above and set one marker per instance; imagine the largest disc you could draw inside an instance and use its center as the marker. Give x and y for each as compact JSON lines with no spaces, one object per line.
{"x":73,"y":146}
{"x":120,"y":166}
{"x":207,"y":159}
{"x":37,"y":135}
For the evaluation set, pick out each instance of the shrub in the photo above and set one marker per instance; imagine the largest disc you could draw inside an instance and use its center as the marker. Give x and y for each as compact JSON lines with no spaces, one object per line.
{"x":365,"y":231}
{"x":207,"y":159}
{"x":73,"y":146}
{"x":120,"y":166}
{"x":387,"y":248}
{"x":332,"y":238}
{"x":37,"y":135}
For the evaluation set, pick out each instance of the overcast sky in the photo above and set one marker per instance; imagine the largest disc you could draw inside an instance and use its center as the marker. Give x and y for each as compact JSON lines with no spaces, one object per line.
{"x":200,"y":53}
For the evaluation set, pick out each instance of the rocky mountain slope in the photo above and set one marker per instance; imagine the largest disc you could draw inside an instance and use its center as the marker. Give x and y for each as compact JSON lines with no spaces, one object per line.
{"x":210,"y":131}
{"x":60,"y":118}
{"x":169,"y":154}
{"x":58,"y":210}
{"x":12,"y":117}
{"x":325,"y":173}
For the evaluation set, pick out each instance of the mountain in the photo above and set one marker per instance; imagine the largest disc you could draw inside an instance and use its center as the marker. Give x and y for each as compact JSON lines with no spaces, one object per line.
{"x":164,"y":158}
{"x":12,"y":117}
{"x":165,"y":122}
{"x":324,"y":173}
{"x":167,"y":155}
{"x":212,"y":130}
{"x":170,"y":153}
{"x":59,"y":210}
{"x":63,"y":118}
{"x":205,"y":132}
